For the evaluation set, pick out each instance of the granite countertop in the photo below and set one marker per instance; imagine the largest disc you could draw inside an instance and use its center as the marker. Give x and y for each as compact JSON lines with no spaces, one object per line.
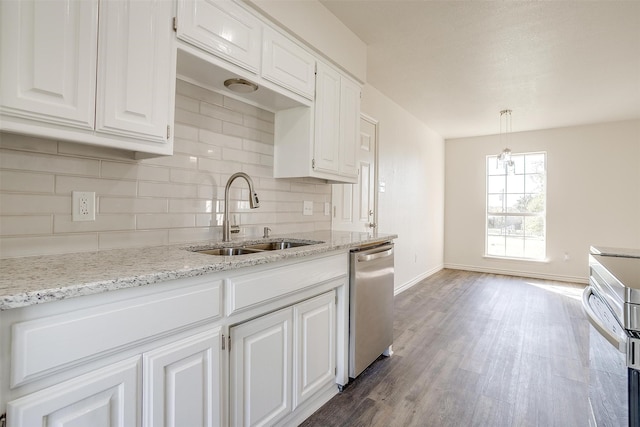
{"x":35,"y":280}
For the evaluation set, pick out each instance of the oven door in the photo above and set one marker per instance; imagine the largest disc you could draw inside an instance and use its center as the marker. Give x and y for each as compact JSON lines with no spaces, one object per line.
{"x":608,"y":372}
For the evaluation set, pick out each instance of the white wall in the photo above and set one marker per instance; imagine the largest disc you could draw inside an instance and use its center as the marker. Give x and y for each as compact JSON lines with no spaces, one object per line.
{"x":593,"y":197}
{"x":412,"y":167}
{"x":154,"y":201}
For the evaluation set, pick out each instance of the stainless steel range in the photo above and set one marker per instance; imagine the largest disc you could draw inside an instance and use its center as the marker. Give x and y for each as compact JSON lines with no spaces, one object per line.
{"x":612,"y":305}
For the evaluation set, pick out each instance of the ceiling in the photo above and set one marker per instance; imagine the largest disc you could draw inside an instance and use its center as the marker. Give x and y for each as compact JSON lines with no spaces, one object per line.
{"x":456,"y":64}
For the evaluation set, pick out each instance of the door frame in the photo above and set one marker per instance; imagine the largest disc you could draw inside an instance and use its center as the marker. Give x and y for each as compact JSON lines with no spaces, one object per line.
{"x":376,"y":123}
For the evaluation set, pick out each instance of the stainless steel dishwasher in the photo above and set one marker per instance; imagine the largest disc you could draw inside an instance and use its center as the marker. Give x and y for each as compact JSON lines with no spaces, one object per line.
{"x":370,"y":305}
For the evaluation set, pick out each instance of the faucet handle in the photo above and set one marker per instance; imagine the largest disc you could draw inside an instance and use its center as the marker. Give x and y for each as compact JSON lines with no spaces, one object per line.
{"x":266,"y":232}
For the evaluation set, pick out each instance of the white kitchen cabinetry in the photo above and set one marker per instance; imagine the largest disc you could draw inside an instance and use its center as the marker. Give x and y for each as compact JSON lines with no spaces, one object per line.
{"x":182,"y":384}
{"x":222,"y":28}
{"x":49,"y":59}
{"x":281,"y":359}
{"x":287,"y":64}
{"x":97,"y":71}
{"x":108,"y":397}
{"x":162,"y":354}
{"x":315,"y":345}
{"x":136,"y":70}
{"x":149,"y":356}
{"x":321,"y":143}
{"x":261,"y":369}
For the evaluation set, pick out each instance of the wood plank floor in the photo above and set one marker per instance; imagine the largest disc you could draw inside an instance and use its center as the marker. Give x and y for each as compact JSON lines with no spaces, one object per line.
{"x":474,"y":349}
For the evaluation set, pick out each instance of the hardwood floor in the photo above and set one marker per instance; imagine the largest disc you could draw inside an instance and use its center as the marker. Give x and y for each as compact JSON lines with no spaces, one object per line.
{"x":473,"y":349}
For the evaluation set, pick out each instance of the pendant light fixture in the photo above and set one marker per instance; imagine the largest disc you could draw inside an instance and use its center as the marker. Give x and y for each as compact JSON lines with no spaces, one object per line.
{"x":504,"y":157}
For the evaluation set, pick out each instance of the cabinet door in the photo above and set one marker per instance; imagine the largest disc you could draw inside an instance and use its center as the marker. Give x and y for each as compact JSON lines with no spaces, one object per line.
{"x":48,"y":60}
{"x":314,"y":345}
{"x":136,"y":69}
{"x":260,"y":371}
{"x":287,"y":64}
{"x":109,"y":397}
{"x":223,"y":28}
{"x":349,"y":127}
{"x":182,"y":385}
{"x":327,"y":120}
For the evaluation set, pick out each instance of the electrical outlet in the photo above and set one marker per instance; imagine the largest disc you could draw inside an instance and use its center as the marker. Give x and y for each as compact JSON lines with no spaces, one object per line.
{"x":83,"y":206}
{"x":307,"y":207}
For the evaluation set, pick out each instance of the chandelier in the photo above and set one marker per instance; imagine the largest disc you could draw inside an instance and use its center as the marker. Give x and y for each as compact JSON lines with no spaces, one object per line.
{"x":504,"y":157}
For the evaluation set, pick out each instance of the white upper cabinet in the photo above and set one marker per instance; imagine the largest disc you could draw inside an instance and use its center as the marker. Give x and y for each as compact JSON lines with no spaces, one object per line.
{"x":222,"y":28}
{"x":326,"y":152}
{"x":321,"y":143}
{"x":349,"y":127}
{"x":98,"y":72}
{"x":48,"y":66}
{"x":287,"y":64}
{"x":135,"y":69}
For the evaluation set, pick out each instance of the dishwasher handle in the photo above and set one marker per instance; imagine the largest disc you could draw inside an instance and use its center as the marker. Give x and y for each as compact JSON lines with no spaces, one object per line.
{"x":379,"y":252}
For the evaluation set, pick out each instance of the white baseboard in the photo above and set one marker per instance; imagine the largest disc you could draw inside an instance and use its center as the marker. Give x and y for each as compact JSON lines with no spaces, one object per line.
{"x":519,"y":273}
{"x":417,"y":279}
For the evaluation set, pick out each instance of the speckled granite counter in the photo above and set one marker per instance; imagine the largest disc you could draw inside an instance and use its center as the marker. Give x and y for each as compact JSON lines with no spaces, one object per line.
{"x":35,"y":280}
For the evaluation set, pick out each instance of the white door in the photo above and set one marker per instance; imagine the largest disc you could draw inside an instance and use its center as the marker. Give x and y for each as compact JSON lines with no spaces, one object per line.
{"x":135,"y":83}
{"x":182,"y":382}
{"x":315,"y":345}
{"x":48,"y":64}
{"x":355,"y":205}
{"x":108,"y":397}
{"x":261,"y":369}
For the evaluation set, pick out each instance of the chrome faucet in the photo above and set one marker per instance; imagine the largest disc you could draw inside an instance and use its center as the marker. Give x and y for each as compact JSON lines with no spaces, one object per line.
{"x":253,"y":202}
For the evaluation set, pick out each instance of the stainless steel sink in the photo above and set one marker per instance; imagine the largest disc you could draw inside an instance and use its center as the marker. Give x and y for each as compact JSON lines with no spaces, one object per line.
{"x":228,"y":251}
{"x":276,"y":246}
{"x":255,"y":248}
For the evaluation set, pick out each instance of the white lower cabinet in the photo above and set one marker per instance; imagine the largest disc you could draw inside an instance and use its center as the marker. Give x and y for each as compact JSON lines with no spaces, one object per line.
{"x":315,"y":344}
{"x":178,"y":384}
{"x":108,"y":397}
{"x":280,"y":359}
{"x":182,"y":385}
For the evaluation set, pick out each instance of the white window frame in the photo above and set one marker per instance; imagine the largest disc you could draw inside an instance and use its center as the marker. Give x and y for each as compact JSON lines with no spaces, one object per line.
{"x":493,"y":160}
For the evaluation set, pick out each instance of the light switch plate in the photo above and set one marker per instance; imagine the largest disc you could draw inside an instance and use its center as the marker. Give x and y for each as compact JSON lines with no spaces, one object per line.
{"x":327,"y":209}
{"x":307,"y":208}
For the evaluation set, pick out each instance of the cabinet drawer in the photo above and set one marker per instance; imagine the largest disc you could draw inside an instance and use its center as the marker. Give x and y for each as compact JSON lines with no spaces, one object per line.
{"x":253,"y":289}
{"x":49,"y":344}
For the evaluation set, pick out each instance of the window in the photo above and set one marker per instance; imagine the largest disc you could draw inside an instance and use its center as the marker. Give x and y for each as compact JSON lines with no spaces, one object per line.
{"x":516,"y":206}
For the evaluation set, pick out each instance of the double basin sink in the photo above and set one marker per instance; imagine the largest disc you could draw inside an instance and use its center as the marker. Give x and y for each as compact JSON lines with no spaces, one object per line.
{"x":255,"y":248}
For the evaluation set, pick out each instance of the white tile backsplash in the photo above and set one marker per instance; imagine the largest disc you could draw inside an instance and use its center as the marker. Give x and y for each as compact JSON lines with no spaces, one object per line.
{"x":155,"y":201}
{"x":26,"y":182}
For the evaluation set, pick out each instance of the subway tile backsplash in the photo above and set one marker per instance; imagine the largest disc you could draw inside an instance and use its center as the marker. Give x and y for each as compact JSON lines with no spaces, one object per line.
{"x":157,"y":201}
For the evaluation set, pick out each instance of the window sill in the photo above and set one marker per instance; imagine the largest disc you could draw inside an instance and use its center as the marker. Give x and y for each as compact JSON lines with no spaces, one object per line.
{"x":501,"y":258}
